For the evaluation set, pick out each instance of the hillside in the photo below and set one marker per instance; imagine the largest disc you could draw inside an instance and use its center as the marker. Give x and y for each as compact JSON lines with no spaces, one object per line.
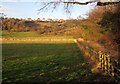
{"x":86,"y":29}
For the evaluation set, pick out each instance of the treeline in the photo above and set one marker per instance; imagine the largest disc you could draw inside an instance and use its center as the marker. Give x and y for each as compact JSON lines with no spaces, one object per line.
{"x":41,"y":27}
{"x":17,"y":25}
{"x":108,"y":18}
{"x":20,"y":25}
{"x":111,"y":21}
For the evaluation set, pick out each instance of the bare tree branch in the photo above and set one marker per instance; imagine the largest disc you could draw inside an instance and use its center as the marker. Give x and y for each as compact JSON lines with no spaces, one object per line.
{"x":107,"y":3}
{"x":46,"y":5}
{"x":69,"y":3}
{"x":79,"y":3}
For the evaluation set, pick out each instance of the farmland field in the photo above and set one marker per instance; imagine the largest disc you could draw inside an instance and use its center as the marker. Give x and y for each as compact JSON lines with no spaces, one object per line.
{"x":42,"y":60}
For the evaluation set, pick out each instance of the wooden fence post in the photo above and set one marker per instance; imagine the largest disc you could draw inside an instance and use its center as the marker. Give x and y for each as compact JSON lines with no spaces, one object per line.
{"x":105,"y":64}
{"x":109,"y":65}
{"x":102,"y":62}
{"x":116,"y":71}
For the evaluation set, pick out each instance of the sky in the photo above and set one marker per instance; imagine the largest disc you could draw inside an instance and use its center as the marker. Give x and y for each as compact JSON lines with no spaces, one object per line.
{"x":56,"y":0}
{"x":29,"y":9}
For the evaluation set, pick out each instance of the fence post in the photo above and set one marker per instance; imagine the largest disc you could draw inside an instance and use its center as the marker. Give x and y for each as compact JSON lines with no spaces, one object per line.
{"x":108,"y":59}
{"x":105,"y":58}
{"x":102,"y":61}
{"x":109,"y":68}
{"x":116,"y":69}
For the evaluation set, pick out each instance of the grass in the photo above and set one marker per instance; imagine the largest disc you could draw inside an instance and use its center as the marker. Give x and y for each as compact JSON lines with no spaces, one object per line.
{"x":42,"y":62}
{"x":20,"y":34}
{"x":7,"y":34}
{"x":45,"y":40}
{"x":32,"y":37}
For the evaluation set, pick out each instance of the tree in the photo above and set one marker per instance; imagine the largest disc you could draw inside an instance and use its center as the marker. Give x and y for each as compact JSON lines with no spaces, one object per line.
{"x":68,"y":3}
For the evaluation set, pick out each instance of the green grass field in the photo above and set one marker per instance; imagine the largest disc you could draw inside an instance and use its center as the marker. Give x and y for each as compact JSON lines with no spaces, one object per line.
{"x":7,"y":34}
{"x":19,"y":34}
{"x":43,"y":61}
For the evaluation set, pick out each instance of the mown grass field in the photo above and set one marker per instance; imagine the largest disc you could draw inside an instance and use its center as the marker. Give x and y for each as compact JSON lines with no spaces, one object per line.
{"x":45,"y":61}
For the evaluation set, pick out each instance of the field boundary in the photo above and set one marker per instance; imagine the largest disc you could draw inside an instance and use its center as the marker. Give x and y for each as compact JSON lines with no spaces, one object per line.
{"x":103,"y":60}
{"x":37,"y":39}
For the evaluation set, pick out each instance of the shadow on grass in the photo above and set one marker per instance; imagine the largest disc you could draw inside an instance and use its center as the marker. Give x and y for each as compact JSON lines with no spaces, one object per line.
{"x":39,"y":62}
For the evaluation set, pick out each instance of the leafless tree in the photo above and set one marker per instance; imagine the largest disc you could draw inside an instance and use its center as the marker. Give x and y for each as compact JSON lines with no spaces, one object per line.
{"x":68,"y":4}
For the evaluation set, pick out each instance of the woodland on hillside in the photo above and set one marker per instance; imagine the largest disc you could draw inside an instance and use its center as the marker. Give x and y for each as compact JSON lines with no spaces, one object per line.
{"x":103,"y":19}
